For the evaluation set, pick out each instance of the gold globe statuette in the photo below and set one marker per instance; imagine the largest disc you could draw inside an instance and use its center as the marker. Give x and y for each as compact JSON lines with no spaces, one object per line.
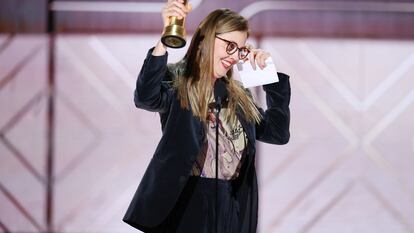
{"x":174,"y":33}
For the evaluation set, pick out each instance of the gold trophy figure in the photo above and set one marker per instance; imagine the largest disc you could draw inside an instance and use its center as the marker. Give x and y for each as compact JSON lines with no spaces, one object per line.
{"x":174,"y":33}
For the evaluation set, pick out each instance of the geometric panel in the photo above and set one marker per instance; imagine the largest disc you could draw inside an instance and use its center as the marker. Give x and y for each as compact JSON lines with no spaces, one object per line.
{"x":353,"y":147}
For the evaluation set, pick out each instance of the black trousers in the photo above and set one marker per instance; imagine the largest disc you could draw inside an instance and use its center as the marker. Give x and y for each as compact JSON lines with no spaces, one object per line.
{"x":195,"y":209}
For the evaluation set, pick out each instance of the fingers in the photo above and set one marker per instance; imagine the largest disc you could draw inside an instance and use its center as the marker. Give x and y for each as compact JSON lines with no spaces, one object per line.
{"x":175,"y":8}
{"x":252,"y":55}
{"x":258,"y":56}
{"x":252,"y":59}
{"x":179,"y":8}
{"x":261,"y":59}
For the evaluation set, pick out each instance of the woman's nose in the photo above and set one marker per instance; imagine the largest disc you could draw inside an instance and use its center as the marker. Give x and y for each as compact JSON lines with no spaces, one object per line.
{"x":235,"y":56}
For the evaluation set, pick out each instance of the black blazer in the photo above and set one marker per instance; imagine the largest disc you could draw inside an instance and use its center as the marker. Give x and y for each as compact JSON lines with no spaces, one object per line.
{"x":182,"y":137}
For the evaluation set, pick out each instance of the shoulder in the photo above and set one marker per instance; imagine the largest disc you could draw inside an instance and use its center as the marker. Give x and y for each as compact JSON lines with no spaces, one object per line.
{"x":175,"y":71}
{"x":171,"y":74}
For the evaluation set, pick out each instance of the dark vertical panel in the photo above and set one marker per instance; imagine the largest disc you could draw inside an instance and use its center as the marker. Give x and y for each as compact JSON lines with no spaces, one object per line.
{"x":50,"y":120}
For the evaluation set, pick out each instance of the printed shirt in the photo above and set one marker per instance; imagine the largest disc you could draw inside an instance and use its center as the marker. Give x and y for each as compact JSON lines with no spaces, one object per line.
{"x":232,"y":141}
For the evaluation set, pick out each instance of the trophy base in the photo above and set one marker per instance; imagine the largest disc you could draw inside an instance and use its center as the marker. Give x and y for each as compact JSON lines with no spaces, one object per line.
{"x":173,"y":41}
{"x":174,"y":36}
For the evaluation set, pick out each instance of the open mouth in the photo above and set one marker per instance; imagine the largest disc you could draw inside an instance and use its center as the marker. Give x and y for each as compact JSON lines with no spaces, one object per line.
{"x":226,"y":64}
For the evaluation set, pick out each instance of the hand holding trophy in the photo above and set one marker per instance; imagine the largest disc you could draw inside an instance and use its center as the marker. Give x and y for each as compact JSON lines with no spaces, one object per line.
{"x":173,"y":15}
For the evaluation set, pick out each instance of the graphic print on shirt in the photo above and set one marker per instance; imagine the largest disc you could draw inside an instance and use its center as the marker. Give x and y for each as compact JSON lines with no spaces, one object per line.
{"x":232,"y":141}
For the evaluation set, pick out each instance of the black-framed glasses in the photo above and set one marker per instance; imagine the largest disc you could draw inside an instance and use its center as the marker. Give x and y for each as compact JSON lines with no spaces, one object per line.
{"x":232,"y":48}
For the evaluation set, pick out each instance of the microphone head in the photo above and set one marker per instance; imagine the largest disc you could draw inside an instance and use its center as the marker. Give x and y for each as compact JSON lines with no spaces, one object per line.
{"x":220,"y":91}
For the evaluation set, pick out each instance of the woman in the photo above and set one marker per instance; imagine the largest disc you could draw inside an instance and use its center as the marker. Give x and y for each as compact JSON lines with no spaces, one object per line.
{"x":177,"y":192}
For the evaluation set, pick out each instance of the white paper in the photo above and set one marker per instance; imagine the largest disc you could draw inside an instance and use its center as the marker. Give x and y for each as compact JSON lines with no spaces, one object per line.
{"x":258,"y":77}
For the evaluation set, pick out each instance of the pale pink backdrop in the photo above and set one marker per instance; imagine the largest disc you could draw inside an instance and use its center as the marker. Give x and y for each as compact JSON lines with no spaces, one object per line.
{"x":347,"y":168}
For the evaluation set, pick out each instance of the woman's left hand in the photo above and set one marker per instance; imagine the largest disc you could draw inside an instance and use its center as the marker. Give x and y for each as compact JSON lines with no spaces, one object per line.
{"x":258,"y":56}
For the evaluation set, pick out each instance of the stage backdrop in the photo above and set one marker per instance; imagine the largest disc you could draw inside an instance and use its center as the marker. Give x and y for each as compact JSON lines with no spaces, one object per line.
{"x":347,"y":168}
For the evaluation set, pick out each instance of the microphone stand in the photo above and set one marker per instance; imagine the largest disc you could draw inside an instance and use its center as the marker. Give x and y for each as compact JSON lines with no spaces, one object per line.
{"x":218,"y":108}
{"x":220,"y":94}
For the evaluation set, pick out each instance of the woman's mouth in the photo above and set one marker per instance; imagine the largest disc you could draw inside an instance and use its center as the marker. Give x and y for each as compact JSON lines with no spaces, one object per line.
{"x":226,"y":64}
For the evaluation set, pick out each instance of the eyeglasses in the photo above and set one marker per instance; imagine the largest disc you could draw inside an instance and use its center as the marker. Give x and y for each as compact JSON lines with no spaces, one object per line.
{"x":232,"y":48}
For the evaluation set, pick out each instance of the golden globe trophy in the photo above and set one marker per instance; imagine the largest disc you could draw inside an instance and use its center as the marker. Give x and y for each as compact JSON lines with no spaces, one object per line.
{"x":174,"y":33}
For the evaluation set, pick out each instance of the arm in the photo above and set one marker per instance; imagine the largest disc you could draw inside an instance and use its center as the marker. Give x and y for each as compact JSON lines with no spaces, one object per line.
{"x":150,"y":94}
{"x":274,"y":127}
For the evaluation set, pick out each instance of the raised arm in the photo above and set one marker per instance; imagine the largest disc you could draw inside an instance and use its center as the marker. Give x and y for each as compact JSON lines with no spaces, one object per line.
{"x":150,"y":93}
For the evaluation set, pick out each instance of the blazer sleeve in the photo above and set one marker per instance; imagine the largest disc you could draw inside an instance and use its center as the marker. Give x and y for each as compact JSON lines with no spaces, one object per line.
{"x":274,"y":127}
{"x":150,"y":92}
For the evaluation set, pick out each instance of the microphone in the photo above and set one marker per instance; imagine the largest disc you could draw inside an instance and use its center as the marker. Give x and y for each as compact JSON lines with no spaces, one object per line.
{"x":220,"y":93}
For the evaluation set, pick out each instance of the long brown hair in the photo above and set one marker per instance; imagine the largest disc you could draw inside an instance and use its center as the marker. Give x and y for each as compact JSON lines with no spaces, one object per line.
{"x":195,"y":71}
